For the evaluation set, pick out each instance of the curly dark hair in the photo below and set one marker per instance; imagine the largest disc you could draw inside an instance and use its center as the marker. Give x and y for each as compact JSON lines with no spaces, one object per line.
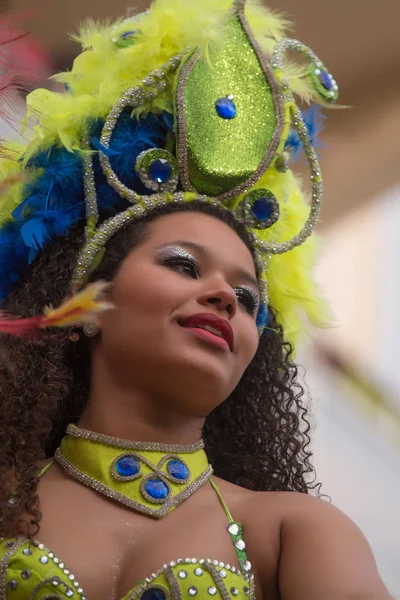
{"x":258,"y":438}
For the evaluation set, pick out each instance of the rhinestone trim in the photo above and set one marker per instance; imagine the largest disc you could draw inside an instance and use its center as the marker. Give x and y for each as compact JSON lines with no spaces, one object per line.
{"x":175,"y":580}
{"x":110,"y":227}
{"x":269,"y":248}
{"x":56,"y":581}
{"x":169,"y":504}
{"x":92,"y":213}
{"x":133,"y":98}
{"x":129,"y":445}
{"x":4,"y":565}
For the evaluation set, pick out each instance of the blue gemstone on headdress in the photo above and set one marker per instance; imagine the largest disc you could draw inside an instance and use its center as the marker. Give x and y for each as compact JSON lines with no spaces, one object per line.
{"x":156,"y":489}
{"x":127,"y":466}
{"x":160,"y":170}
{"x":225,"y":108}
{"x":153,"y":594}
{"x":326,"y":80}
{"x":263,"y":209}
{"x":177,"y":469}
{"x":128,"y":35}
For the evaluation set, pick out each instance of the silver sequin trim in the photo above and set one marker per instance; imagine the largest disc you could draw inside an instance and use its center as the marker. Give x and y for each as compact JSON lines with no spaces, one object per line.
{"x":129,"y":445}
{"x":157,"y":513}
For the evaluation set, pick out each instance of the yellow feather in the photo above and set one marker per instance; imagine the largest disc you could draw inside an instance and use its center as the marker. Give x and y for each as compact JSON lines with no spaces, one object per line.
{"x":291,"y":289}
{"x":82,"y":308}
{"x":12,"y":181}
{"x":103,"y":72}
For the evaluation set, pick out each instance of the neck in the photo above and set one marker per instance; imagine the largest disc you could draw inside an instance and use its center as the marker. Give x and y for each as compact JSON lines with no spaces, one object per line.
{"x":131,"y":413}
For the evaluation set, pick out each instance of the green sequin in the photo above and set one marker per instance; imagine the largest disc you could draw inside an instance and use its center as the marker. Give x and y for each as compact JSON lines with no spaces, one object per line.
{"x":218,"y":153}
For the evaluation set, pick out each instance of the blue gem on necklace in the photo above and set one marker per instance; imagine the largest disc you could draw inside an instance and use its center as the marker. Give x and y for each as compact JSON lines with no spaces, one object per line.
{"x":156,"y":489}
{"x":326,"y":80}
{"x":127,"y":466}
{"x":177,"y":469}
{"x":226,"y":107}
{"x":263,"y":209}
{"x":153,"y":594}
{"x":160,"y":170}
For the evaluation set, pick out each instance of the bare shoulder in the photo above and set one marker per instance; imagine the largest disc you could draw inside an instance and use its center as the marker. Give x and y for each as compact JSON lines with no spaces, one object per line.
{"x":256,"y":504}
{"x":315,"y":550}
{"x":288,"y":514}
{"x":285,"y":507}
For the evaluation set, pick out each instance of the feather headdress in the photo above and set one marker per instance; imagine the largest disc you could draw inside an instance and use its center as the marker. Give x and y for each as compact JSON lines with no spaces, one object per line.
{"x":129,"y":130}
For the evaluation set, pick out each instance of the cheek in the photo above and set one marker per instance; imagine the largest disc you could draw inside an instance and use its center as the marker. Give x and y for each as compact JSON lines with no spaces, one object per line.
{"x":145,"y":292}
{"x":146,"y":298}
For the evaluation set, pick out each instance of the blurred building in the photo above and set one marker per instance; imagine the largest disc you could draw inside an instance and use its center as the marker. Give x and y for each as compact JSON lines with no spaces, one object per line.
{"x":354,"y":376}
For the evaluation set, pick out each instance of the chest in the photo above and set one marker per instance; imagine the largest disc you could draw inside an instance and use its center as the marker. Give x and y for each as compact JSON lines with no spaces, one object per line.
{"x":110,"y":549}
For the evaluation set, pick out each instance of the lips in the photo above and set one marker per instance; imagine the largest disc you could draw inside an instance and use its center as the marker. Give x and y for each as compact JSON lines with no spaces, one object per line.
{"x":213,"y":324}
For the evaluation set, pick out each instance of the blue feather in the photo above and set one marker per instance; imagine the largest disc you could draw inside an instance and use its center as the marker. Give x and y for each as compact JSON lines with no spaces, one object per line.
{"x":263,"y":316}
{"x":313,"y":120}
{"x":169,"y":121}
{"x":47,"y":224}
{"x":13,"y":257}
{"x":35,"y":233}
{"x":107,"y":151}
{"x":54,"y":200}
{"x":130,"y":138}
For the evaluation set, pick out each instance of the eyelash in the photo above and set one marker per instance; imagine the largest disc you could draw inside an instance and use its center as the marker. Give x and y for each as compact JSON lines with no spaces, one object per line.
{"x":179,"y":261}
{"x":246,"y":296}
{"x":249,"y":299}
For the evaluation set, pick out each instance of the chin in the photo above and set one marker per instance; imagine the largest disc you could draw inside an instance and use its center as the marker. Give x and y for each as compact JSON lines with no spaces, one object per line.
{"x":203,"y":377}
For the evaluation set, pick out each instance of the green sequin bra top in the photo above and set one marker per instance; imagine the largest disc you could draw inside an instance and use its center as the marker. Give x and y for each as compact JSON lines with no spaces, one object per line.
{"x":152,"y":479}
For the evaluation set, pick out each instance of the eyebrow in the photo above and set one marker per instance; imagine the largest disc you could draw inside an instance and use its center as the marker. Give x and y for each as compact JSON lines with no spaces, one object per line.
{"x":243,"y":274}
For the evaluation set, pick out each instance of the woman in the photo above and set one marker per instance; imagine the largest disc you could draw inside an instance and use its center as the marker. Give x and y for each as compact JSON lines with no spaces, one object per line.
{"x":128,"y":378}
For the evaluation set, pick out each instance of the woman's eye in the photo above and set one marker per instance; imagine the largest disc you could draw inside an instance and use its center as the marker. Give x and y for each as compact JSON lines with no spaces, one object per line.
{"x":248,"y":299}
{"x":184,"y":266}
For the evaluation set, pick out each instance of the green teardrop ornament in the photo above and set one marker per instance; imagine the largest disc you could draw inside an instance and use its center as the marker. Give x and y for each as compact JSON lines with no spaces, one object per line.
{"x":224,"y":157}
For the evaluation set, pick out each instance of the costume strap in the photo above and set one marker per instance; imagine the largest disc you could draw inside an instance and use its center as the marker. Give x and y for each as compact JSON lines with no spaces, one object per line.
{"x":235,"y":530}
{"x":46,"y":468}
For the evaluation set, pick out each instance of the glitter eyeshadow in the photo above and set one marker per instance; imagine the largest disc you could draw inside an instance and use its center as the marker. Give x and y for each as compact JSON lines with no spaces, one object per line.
{"x":172,"y":252}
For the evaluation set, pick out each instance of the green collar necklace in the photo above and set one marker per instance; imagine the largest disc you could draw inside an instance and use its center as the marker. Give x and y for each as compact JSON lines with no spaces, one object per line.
{"x":148,"y":477}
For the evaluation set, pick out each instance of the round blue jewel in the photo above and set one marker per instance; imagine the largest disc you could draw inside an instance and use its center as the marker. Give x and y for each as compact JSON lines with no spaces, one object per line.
{"x":177,"y":469}
{"x":326,"y":80}
{"x":128,"y":35}
{"x":127,"y":466}
{"x":160,"y":170}
{"x":156,"y":489}
{"x":263,"y":209}
{"x":153,"y":594}
{"x":225,"y":108}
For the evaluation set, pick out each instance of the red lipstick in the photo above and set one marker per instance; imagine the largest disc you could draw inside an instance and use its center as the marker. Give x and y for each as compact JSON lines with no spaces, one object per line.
{"x":211,"y":328}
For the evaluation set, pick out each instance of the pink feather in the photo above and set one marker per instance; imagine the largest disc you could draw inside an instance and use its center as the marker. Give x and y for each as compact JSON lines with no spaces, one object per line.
{"x":22,"y":61}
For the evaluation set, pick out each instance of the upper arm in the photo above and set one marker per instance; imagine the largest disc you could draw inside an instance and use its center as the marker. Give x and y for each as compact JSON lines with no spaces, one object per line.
{"x":325,"y":555}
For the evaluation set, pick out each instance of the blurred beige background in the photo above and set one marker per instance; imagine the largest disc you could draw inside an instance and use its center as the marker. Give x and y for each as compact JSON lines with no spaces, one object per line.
{"x":353,"y":367}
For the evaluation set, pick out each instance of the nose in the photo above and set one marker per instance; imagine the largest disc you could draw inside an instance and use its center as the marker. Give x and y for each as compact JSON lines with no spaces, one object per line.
{"x":221,"y":295}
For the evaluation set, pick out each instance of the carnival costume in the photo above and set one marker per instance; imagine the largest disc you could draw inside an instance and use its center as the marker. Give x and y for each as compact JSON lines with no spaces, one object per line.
{"x":187,"y":101}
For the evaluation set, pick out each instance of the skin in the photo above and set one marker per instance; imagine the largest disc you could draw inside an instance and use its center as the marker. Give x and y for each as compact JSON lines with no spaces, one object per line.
{"x":155,"y":381}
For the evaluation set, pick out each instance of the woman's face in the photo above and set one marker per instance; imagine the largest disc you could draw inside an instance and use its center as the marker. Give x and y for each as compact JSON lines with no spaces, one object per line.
{"x":191,"y":274}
